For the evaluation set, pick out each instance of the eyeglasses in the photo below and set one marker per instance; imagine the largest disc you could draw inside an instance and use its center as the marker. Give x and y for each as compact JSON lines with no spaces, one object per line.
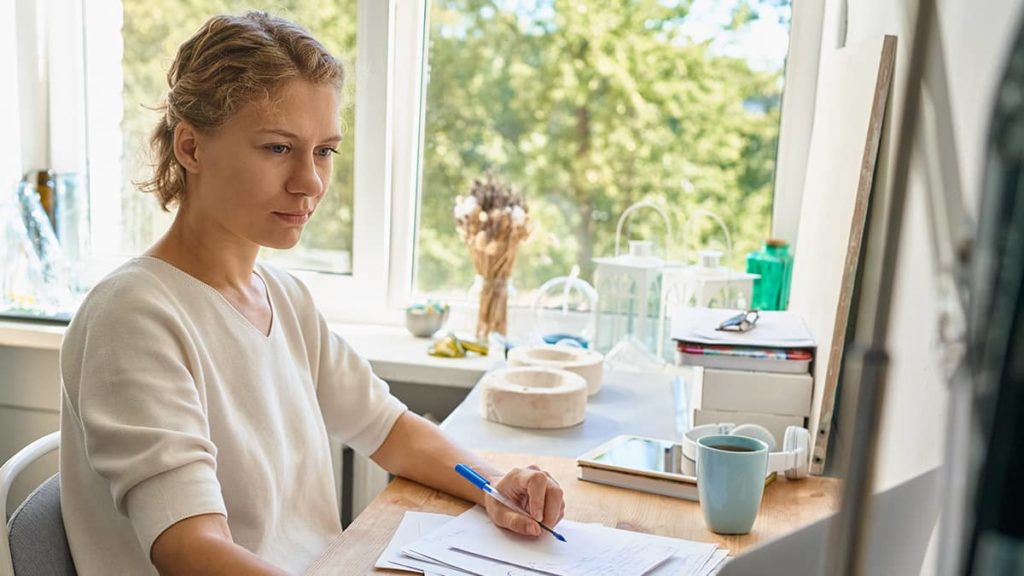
{"x":741,"y":322}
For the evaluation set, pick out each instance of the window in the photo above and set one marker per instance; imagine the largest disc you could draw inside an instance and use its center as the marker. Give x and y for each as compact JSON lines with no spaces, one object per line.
{"x":585,"y":106}
{"x":590,"y":106}
{"x":88,"y":74}
{"x":340,"y":254}
{"x":149,"y":37}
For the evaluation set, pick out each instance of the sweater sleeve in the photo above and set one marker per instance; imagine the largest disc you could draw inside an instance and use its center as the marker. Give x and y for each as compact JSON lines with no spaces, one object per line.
{"x":357,"y":406}
{"x":126,"y":363}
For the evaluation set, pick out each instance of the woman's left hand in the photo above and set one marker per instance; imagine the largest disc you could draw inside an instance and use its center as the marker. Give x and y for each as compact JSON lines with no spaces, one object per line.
{"x":536,"y":492}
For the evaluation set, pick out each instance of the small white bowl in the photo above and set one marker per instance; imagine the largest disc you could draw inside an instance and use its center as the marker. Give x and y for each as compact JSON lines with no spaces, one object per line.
{"x":424,"y":320}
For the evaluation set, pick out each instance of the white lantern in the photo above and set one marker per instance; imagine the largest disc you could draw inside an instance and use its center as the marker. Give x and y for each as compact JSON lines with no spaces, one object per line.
{"x":705,"y":284}
{"x":629,"y":289}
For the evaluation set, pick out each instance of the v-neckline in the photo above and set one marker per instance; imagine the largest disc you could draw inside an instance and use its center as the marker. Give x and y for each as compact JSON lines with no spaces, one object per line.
{"x":217,"y":294}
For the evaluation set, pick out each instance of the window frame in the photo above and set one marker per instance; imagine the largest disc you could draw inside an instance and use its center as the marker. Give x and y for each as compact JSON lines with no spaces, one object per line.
{"x":361,"y":296}
{"x":391,"y":72}
{"x":49,"y":89}
{"x":12,"y":114}
{"x":797,"y":116}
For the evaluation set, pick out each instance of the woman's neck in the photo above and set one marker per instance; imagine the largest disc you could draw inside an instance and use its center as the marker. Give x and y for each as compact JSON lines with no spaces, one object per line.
{"x":207,"y":252}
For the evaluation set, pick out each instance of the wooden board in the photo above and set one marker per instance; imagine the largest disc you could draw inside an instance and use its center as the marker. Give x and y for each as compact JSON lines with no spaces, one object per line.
{"x":853,"y":91}
{"x":787,"y":506}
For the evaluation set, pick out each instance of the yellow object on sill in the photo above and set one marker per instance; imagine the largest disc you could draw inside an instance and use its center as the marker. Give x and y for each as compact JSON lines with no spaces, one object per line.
{"x":450,"y":346}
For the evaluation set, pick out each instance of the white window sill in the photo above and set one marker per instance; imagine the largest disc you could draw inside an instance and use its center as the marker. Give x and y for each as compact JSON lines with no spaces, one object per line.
{"x":31,"y":335}
{"x":396,"y":356}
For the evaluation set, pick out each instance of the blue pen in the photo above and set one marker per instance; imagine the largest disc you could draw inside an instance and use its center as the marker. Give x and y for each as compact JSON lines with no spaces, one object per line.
{"x":483,"y":484}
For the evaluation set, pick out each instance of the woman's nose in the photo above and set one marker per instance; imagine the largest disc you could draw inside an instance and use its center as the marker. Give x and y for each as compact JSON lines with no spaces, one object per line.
{"x":305,"y":179}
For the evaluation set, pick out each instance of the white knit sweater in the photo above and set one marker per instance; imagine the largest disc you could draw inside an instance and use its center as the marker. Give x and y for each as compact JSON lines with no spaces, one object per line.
{"x":175,"y":405}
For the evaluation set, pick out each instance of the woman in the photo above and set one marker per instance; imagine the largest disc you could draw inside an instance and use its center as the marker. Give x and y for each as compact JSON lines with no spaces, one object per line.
{"x":200,"y":387}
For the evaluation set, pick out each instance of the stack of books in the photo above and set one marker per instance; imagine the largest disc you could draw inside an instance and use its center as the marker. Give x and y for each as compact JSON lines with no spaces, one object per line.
{"x":761,"y":376}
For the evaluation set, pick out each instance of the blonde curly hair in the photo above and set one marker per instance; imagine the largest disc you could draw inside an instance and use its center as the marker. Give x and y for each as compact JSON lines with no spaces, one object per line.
{"x":231,"y":61}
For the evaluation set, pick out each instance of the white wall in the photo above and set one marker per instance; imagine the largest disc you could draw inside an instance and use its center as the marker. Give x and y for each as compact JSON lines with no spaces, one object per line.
{"x":975,"y":37}
{"x":29,"y":409}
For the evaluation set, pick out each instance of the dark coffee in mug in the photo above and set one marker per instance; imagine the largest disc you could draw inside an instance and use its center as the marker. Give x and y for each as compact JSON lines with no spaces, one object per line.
{"x":730,"y":448}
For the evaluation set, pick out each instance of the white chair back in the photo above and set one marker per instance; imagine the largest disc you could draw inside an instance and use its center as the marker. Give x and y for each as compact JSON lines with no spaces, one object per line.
{"x":8,"y":473}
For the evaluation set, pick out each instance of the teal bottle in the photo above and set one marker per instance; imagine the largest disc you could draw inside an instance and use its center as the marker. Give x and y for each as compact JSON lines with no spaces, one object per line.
{"x":774,"y":264}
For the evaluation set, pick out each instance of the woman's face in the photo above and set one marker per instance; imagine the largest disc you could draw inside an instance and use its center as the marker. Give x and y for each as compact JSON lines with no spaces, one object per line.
{"x":261,"y":175}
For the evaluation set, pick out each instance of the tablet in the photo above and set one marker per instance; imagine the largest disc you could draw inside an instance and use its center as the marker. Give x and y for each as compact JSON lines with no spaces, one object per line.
{"x":640,"y":455}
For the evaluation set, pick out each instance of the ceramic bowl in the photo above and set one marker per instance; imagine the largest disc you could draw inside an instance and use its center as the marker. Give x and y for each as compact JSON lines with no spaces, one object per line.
{"x":423,"y":320}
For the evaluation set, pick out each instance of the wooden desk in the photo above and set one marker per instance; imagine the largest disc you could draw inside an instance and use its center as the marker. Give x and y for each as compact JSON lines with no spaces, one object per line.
{"x":786,"y":507}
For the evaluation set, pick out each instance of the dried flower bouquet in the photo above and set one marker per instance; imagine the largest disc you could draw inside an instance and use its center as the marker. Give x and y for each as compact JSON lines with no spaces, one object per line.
{"x":492,"y":220}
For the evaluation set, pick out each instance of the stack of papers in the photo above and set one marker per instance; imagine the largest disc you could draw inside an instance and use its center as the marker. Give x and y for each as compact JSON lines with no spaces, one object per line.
{"x":774,"y":329}
{"x":441,"y":545}
{"x":779,"y":342}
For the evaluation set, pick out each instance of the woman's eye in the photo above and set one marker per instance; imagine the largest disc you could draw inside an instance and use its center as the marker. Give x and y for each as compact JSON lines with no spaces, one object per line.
{"x":277,"y":148}
{"x":327,"y":151}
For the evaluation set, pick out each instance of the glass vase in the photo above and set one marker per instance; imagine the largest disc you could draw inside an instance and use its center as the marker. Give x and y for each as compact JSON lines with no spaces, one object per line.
{"x":493,"y":295}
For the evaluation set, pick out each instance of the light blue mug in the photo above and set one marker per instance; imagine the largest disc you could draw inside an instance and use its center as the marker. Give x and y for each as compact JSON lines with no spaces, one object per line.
{"x":730,"y":479}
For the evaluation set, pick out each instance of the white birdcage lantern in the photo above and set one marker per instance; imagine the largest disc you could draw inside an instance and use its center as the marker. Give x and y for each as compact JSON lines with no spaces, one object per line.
{"x":629,"y":287}
{"x":704,"y":284}
{"x":708,"y":284}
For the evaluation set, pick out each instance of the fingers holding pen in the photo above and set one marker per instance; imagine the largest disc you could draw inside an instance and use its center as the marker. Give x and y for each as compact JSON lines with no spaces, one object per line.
{"x":509,"y":519}
{"x":546,"y":499}
{"x":524,"y":500}
{"x":536,"y":492}
{"x":554,"y":503}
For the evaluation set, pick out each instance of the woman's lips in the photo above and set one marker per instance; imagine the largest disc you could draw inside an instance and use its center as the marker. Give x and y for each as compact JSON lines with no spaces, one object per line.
{"x":295,"y":218}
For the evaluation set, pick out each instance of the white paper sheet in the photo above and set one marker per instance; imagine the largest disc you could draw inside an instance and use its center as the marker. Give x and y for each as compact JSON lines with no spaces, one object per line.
{"x":715,"y":563}
{"x":434,"y":546}
{"x":589,"y":551}
{"x":688,"y":559}
{"x":429,"y":568}
{"x":598,"y":551}
{"x":775,"y":329}
{"x":415,"y":525}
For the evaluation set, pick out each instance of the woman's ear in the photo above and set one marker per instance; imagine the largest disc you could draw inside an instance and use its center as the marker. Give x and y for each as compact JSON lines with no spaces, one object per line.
{"x":186,"y":146}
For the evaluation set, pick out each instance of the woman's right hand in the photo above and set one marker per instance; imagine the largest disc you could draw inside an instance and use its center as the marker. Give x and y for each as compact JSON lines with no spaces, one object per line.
{"x":535,"y":491}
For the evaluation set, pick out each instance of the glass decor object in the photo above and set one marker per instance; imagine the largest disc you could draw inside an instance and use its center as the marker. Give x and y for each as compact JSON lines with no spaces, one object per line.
{"x":71,"y":216}
{"x":563,"y":310}
{"x":73,"y":230}
{"x":629,"y":288}
{"x":491,"y":295}
{"x":45,"y":187}
{"x":34,"y":279}
{"x":774,"y":264}
{"x":22,"y":269}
